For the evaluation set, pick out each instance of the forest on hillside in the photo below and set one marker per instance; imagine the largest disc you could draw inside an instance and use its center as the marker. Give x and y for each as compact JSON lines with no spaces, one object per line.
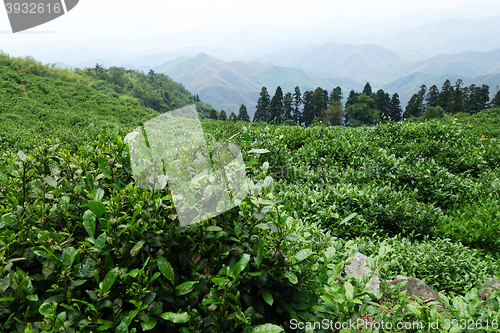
{"x":366,"y":107}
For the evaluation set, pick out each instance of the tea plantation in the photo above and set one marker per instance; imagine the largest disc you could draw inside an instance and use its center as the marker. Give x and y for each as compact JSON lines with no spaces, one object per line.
{"x":83,"y":249}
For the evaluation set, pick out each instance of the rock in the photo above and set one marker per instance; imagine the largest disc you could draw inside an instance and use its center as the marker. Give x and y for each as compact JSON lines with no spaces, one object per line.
{"x":485,"y":288}
{"x":358,"y":267}
{"x":416,"y":287}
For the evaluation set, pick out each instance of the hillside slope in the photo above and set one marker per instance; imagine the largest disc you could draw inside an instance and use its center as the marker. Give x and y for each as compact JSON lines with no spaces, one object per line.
{"x":33,"y":107}
{"x":227,"y":85}
{"x":367,"y":62}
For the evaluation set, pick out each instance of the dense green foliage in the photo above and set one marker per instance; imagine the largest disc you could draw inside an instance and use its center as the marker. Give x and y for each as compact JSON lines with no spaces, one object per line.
{"x":153,"y":90}
{"x":83,"y":249}
{"x":368,"y":107}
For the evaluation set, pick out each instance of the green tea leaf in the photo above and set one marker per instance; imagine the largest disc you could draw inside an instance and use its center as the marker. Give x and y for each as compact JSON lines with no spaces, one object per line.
{"x":4,"y":283}
{"x":97,"y":208}
{"x":349,"y":291}
{"x":137,"y":247}
{"x":33,"y":298}
{"x":330,"y":253}
{"x":149,"y":325}
{"x":104,"y":166}
{"x":185,"y":287}
{"x":22,"y":156}
{"x":48,"y":267}
{"x":303,"y":254}
{"x":166,"y":269}
{"x":49,"y":180}
{"x":46,"y":309}
{"x":109,"y":279}
{"x":89,"y":222}
{"x":347,"y":219}
{"x":260,"y":252}
{"x":190,"y":196}
{"x":241,"y":264}
{"x":213,"y":228}
{"x":7,"y":299}
{"x":268,"y":297}
{"x":259,"y":151}
{"x":291,"y":277}
{"x":100,"y":242}
{"x":178,"y":318}
{"x":267,"y":328}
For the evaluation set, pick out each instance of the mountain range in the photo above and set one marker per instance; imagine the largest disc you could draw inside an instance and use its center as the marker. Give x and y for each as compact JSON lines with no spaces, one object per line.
{"x":227,"y":85}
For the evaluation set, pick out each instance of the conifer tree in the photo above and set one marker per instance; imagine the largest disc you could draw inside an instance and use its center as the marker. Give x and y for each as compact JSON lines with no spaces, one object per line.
{"x":262,"y":110}
{"x":367,"y":89}
{"x":445,"y":97}
{"x":496,"y":100}
{"x":297,"y":101}
{"x":243,"y":114}
{"x":223,"y":115}
{"x":395,"y":111}
{"x":382,"y":101}
{"x":287,"y":107}
{"x":351,"y":99}
{"x":458,"y":98}
{"x":232,"y":117}
{"x":336,"y":94}
{"x":431,"y":98}
{"x":276,"y":107}
{"x":360,"y":113}
{"x":213,"y":115}
{"x":319,"y":102}
{"x":308,"y":110}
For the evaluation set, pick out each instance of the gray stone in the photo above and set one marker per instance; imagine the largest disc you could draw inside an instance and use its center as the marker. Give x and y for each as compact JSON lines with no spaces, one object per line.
{"x":358,"y":267}
{"x":485,"y":288}
{"x":416,"y":287}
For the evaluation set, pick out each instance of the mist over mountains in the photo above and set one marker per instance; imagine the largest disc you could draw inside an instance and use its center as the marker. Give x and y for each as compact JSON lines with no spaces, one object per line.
{"x":226,"y":85}
{"x":227,"y":67}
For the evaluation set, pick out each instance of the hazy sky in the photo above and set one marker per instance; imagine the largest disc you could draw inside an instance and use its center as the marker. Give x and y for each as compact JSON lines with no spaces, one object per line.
{"x":98,"y":23}
{"x":116,"y":17}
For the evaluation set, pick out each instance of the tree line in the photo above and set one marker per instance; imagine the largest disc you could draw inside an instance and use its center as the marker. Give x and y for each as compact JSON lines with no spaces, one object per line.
{"x":362,"y":108}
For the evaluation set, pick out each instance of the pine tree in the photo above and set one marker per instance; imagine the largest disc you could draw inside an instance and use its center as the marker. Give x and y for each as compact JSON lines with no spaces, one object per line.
{"x":334,"y":114}
{"x":276,"y":107}
{"x":336,"y":94}
{"x":445,"y":97}
{"x":287,"y":107}
{"x":223,"y":115}
{"x":262,"y":110}
{"x":351,"y":99}
{"x":297,"y":101}
{"x":319,"y":102}
{"x":243,"y":114}
{"x":395,"y":111}
{"x":360,"y":113}
{"x":478,"y":98}
{"x":308,"y":110}
{"x":382,"y":103}
{"x":431,"y":99}
{"x":232,"y":117}
{"x":367,"y":89}
{"x":414,"y":107}
{"x":458,"y":98}
{"x":213,"y":115}
{"x":496,"y":100}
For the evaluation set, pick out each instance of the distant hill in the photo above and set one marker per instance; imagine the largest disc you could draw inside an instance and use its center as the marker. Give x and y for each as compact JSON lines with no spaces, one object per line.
{"x":453,"y":35}
{"x":227,"y":85}
{"x":368,"y":62}
{"x":464,"y":63}
{"x":408,"y":85}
